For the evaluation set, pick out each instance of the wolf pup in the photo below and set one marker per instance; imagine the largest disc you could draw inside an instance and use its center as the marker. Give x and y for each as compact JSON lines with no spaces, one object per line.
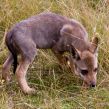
{"x":55,"y":32}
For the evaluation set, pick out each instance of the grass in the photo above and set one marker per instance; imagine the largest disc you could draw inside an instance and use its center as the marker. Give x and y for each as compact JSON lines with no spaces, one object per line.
{"x":56,"y":88}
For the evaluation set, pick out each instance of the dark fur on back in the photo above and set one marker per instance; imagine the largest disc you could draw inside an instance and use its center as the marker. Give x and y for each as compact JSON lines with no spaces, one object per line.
{"x":10,"y":46}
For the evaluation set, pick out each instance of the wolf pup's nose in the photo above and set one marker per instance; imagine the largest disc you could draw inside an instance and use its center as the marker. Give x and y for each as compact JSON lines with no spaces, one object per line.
{"x":92,"y":85}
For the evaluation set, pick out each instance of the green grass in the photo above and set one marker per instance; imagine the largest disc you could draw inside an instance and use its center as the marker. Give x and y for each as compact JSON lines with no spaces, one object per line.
{"x":57,"y":88}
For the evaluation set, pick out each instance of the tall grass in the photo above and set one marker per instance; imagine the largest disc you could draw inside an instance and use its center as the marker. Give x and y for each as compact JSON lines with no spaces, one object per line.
{"x":57,"y":88}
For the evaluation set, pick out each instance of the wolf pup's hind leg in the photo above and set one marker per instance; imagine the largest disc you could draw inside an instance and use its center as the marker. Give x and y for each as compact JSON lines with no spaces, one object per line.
{"x":6,"y":68}
{"x":27,"y":56}
{"x":21,"y":76}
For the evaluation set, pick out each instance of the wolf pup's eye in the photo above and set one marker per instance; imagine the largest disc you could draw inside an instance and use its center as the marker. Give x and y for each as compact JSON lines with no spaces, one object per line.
{"x":84,"y":72}
{"x":96,"y":69}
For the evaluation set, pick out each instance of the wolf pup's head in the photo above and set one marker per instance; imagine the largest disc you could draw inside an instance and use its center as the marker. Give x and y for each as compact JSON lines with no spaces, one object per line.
{"x":85,"y":63}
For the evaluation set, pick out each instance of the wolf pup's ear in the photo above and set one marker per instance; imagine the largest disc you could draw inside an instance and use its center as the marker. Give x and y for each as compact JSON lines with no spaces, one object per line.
{"x":94,"y":44}
{"x":66,"y":30}
{"x":75,"y":53}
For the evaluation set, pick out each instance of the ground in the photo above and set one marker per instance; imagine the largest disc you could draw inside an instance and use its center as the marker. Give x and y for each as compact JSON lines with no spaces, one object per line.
{"x":57,"y":88}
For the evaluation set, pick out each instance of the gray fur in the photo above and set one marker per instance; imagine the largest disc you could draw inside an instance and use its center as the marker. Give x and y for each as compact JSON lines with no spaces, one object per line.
{"x":43,"y":32}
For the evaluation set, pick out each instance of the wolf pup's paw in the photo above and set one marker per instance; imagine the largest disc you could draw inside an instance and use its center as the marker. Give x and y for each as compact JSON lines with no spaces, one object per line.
{"x":29,"y":91}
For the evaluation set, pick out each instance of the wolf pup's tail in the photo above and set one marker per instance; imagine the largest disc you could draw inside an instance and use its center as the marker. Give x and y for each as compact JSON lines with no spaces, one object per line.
{"x":9,"y":43}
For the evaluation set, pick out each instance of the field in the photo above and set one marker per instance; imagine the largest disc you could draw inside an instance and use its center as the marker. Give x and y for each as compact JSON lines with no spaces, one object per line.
{"x":57,"y":88}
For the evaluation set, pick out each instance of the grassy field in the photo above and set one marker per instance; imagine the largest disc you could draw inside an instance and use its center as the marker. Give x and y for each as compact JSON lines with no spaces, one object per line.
{"x":57,"y":88}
